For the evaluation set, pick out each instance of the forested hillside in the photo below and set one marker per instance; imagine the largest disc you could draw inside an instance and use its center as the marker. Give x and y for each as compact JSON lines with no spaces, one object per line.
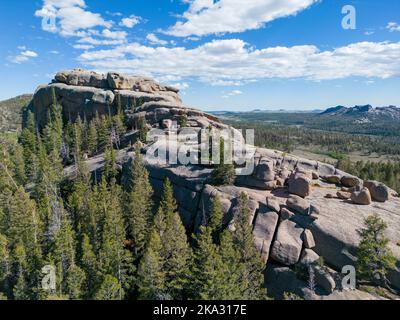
{"x":106,"y":240}
{"x":10,"y":112}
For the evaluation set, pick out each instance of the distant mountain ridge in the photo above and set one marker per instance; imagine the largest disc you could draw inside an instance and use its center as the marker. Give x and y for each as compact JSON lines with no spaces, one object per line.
{"x":365,"y":113}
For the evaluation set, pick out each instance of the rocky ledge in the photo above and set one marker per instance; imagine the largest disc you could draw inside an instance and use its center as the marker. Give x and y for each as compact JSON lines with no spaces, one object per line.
{"x":301,"y":210}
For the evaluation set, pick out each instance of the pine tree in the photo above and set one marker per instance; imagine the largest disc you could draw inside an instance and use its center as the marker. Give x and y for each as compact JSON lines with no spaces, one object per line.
{"x":139,"y":207}
{"x":110,"y":289}
{"x":250,"y":260}
{"x":82,"y":170}
{"x":176,"y":251}
{"x":20,"y":288}
{"x":375,"y":259}
{"x":216,"y":218}
{"x":118,"y":121}
{"x":208,"y":272}
{"x":110,"y":170}
{"x":224,"y":173}
{"x":63,"y":253}
{"x":233,"y":288}
{"x":92,"y":138}
{"x":28,"y":142}
{"x":17,"y":163}
{"x":103,"y":132}
{"x":78,"y":140}
{"x":89,"y":264}
{"x":151,"y":277}
{"x":114,"y":258}
{"x":142,"y":129}
{"x":4,"y":264}
{"x":22,"y":221}
{"x":75,"y":281}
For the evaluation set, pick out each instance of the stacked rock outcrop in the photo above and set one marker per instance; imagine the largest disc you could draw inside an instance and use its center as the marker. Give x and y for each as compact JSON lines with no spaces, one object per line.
{"x":86,"y":93}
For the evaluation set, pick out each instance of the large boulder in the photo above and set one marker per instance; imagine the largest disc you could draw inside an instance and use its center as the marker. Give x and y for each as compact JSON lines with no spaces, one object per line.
{"x":134,"y":99}
{"x":308,"y":239}
{"x":298,"y":204}
{"x":288,"y":243}
{"x":379,"y":192}
{"x":273,"y":204}
{"x":121,"y":81}
{"x":300,"y":184}
{"x":362,"y":197}
{"x":80,"y":77}
{"x":335,"y":179}
{"x":75,"y":101}
{"x":265,"y":170}
{"x":350,"y":181}
{"x":264,"y":230}
{"x":324,"y":279}
{"x":308,"y":257}
{"x":286,"y":214}
{"x":343,"y":195}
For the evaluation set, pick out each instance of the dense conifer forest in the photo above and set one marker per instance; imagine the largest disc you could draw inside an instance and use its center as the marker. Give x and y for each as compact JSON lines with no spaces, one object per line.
{"x":108,"y":241}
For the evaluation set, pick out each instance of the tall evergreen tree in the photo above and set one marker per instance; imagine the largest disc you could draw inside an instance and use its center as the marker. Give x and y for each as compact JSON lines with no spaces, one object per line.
{"x":22,"y":221}
{"x":233,"y":287}
{"x":103,"y":132}
{"x":91,"y":142}
{"x":250,"y":260}
{"x":216,"y":218}
{"x":110,"y":170}
{"x":208,"y":269}
{"x":224,"y":173}
{"x":28,"y":142}
{"x":20,"y":266}
{"x":5,"y":264}
{"x":176,"y":252}
{"x":139,"y":207}
{"x":63,"y":252}
{"x":150,"y":275}
{"x":110,"y":289}
{"x":75,"y":282}
{"x":90,"y":266}
{"x":114,"y":258}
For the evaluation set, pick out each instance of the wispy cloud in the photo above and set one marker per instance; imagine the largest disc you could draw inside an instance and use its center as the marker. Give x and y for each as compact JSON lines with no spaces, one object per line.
{"x":393,"y":26}
{"x":23,"y":56}
{"x":153,"y":39}
{"x":227,"y":16}
{"x":231,"y":93}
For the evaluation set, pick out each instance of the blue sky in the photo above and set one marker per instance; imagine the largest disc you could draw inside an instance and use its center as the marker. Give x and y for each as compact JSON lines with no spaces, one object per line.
{"x":224,"y":55}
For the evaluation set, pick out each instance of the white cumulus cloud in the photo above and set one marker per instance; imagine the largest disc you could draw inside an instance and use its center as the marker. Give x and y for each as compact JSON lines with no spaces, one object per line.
{"x":68,"y":17}
{"x":233,"y":62}
{"x":130,"y":22}
{"x":227,"y":16}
